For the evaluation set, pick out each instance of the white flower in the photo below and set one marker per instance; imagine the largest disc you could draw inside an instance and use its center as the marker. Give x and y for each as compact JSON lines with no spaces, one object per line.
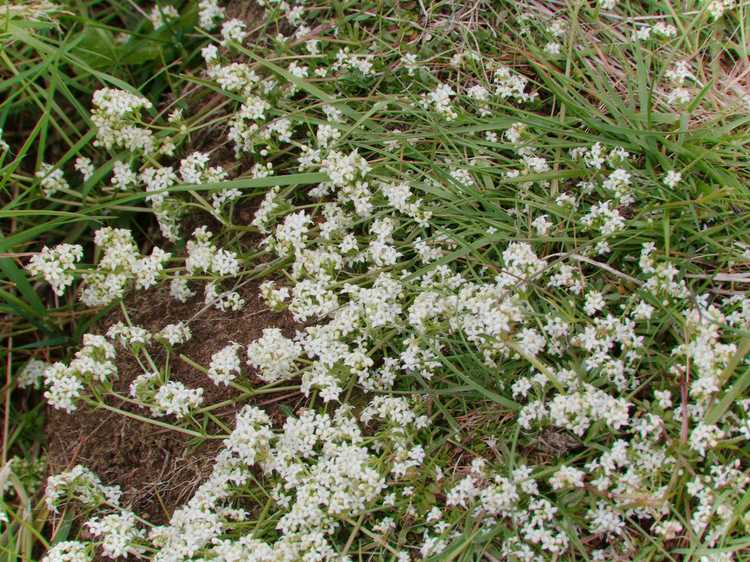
{"x":68,"y":551}
{"x":463,"y":493}
{"x":343,"y":169}
{"x":669,"y":530}
{"x":81,"y":485}
{"x":672,"y":179}
{"x":663,"y":398}
{"x":56,"y":265}
{"x":233,"y":30}
{"x":223,"y":300}
{"x":210,"y":54}
{"x":439,"y":100}
{"x":179,"y":289}
{"x":274,"y":298}
{"x":225,"y":364}
{"x":209,"y":14}
{"x":291,"y":235}
{"x":85,"y":167}
{"x":118,"y":533}
{"x":251,"y":438}
{"x":605,"y":520}
{"x":567,"y":477}
{"x":52,"y":179}
{"x":542,"y":225}
{"x":705,"y":437}
{"x":553,"y":48}
{"x":175,"y":334}
{"x":128,"y":336}
{"x":679,"y":96}
{"x":93,"y":362}
{"x":123,"y":177}
{"x":353,"y":61}
{"x":716,"y":8}
{"x":193,"y":167}
{"x":594,"y":303}
{"x":118,"y":103}
{"x":462,"y":177}
{"x":273,"y":355}
{"x":147,"y":269}
{"x":409,"y":61}
{"x":174,"y":398}
{"x":32,"y":374}
{"x":605,"y":216}
{"x":643,"y":311}
{"x":115,"y":116}
{"x":160,"y":14}
{"x":679,"y":73}
{"x":157,"y":181}
{"x":511,"y":85}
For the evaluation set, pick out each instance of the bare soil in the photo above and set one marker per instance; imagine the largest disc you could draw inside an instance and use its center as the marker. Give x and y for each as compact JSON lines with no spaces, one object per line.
{"x":159,"y":469}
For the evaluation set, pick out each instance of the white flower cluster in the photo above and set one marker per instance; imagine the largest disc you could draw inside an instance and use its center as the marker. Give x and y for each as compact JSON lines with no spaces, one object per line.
{"x":439,"y":100}
{"x":116,"y":115}
{"x":118,"y":533}
{"x":79,"y":485}
{"x":273,"y":354}
{"x":353,"y":61}
{"x":51,"y":179}
{"x":56,"y":265}
{"x":677,"y":75}
{"x":660,"y":29}
{"x":205,"y":257}
{"x":225,"y":364}
{"x":325,"y":473}
{"x":509,"y":84}
{"x":209,"y":14}
{"x":161,"y":14}
{"x":68,"y":551}
{"x":165,"y":398}
{"x":577,"y":411}
{"x":94,"y":362}
{"x":129,"y":336}
{"x":397,"y":293}
{"x":517,"y":498}
{"x":717,"y":8}
{"x":120,"y":263}
{"x":174,"y":334}
{"x":175,"y":399}
{"x":31,"y":374}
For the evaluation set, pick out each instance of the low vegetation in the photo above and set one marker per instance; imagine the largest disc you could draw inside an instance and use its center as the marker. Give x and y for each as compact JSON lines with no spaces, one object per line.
{"x":493,"y":257}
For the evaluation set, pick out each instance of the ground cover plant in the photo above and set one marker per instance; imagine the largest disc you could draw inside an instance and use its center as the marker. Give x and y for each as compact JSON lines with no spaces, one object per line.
{"x":376,"y":281}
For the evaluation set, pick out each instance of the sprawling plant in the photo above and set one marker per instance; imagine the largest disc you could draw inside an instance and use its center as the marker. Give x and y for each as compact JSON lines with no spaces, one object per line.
{"x":497,"y":226}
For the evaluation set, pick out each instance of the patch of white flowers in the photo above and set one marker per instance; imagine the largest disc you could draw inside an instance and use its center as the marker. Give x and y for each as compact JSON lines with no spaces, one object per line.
{"x":225,"y":364}
{"x":402,"y":305}
{"x":51,"y":179}
{"x":273,"y":354}
{"x":56,"y":265}
{"x":120,"y":265}
{"x":93,"y":363}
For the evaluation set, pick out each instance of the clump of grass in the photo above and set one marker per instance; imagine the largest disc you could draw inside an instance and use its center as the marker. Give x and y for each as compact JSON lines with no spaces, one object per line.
{"x":511,"y":234}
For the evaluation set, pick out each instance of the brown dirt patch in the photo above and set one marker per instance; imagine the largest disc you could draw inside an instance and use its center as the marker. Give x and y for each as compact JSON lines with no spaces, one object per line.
{"x":249,"y":12}
{"x":159,"y":469}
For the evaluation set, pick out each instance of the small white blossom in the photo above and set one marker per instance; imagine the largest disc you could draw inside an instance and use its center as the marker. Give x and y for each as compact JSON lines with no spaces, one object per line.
{"x":56,"y":265}
{"x":225,"y":364}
